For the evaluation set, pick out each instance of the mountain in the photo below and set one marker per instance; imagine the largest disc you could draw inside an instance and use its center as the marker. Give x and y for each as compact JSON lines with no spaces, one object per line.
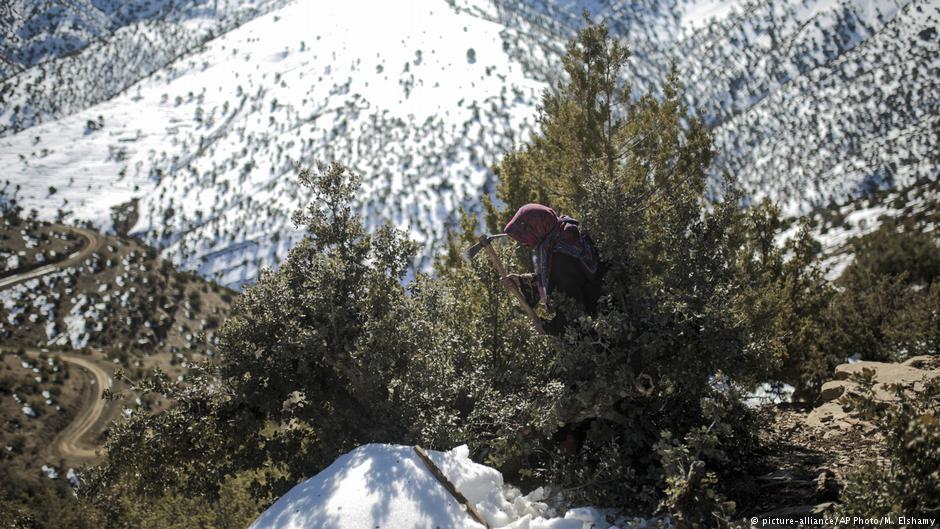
{"x":51,"y":41}
{"x":810,"y":103}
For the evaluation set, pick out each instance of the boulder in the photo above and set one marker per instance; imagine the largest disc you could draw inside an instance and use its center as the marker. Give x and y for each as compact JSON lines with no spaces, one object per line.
{"x":885,"y":373}
{"x":834,"y":389}
{"x":925,"y":362}
{"x":830,"y":416}
{"x":829,"y":412}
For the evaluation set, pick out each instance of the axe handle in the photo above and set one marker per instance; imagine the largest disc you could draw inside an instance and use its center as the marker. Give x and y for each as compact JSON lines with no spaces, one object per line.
{"x":514,"y":291}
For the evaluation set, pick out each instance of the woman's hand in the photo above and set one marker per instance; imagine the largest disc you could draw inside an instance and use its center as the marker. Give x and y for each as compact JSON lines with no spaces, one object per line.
{"x":517,"y":280}
{"x":511,"y":281}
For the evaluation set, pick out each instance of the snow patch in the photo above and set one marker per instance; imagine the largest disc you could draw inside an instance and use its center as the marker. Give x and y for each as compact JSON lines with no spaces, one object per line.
{"x":388,"y":486}
{"x":50,"y":472}
{"x":769,"y":393}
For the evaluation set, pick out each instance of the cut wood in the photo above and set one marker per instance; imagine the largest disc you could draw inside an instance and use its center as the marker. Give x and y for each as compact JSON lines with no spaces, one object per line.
{"x":470,"y":507}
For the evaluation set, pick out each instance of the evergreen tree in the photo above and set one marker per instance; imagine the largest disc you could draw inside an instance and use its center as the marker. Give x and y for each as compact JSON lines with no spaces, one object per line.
{"x":634,"y":171}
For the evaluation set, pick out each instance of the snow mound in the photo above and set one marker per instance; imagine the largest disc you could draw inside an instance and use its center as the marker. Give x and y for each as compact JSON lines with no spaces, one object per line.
{"x":379,"y":486}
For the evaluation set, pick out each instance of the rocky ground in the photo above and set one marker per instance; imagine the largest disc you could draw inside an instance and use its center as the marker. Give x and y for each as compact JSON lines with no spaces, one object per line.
{"x":812,"y":449}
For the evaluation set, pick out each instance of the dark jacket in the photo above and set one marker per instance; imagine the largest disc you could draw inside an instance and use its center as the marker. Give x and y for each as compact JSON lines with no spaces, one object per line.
{"x":569,"y":279}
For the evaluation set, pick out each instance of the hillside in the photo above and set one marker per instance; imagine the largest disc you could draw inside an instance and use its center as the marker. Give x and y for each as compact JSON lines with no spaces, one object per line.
{"x":120,"y":296}
{"x":53,"y":416}
{"x":809,"y":103}
{"x":73,"y":302}
{"x":837,"y":226}
{"x":52,"y":52}
{"x":678,"y":373}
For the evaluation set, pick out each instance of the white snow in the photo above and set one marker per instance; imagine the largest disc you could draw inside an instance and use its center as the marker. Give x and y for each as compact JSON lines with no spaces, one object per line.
{"x":50,"y":472}
{"x":769,"y":393}
{"x":211,"y":144}
{"x":76,"y":324}
{"x":13,"y":262}
{"x":389,"y":487}
{"x":802,"y":97}
{"x":697,"y":15}
{"x":72,"y":476}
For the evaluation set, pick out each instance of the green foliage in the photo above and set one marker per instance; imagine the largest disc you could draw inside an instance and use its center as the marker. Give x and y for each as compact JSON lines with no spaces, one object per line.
{"x":915,"y":329}
{"x":907,"y":482}
{"x":634,"y":172}
{"x":883,"y":307}
{"x":691,"y":496}
{"x":863,"y":313}
{"x":896,"y":250}
{"x":887,"y":305}
{"x":47,"y":507}
{"x":784,"y":297}
{"x":582,"y":129}
{"x":234,"y":507}
{"x":330,"y":352}
{"x":51,"y":505}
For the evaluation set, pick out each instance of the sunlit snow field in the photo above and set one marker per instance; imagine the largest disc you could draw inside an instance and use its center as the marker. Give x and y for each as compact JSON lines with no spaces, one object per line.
{"x":810,"y":102}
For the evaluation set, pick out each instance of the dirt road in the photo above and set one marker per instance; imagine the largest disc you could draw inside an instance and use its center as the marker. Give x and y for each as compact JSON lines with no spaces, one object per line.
{"x":74,"y":442}
{"x":94,"y":242}
{"x":71,"y":443}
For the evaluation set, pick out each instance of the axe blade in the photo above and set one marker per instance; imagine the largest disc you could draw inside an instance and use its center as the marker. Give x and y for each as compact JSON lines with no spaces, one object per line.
{"x":485,"y":239}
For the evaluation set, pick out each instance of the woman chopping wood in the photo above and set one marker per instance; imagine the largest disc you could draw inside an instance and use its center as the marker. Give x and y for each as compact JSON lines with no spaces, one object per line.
{"x":565,"y":260}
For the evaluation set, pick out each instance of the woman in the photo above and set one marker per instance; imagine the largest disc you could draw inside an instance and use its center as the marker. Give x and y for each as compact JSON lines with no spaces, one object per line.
{"x":566,"y":261}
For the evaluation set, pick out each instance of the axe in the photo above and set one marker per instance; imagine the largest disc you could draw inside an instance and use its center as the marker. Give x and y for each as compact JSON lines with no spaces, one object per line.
{"x":485,"y":244}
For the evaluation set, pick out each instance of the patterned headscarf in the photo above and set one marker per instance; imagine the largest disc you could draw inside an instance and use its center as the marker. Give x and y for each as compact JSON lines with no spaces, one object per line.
{"x":540,"y":229}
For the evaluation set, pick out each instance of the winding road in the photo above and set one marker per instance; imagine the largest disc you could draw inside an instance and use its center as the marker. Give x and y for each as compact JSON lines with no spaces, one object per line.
{"x":94,"y":243}
{"x":69,"y":442}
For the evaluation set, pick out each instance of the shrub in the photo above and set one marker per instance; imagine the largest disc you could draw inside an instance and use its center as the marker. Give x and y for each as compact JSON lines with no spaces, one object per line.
{"x":896,"y":249}
{"x":784,"y":297}
{"x":330,"y":352}
{"x":907,"y":481}
{"x":691,"y":496}
{"x":886,"y":308}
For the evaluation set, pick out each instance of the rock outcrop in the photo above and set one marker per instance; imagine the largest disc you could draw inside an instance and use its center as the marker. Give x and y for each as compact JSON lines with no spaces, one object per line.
{"x":831,"y":412}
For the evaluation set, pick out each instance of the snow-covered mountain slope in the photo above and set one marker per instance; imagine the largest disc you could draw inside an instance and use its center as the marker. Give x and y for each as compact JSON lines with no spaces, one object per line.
{"x":831,"y":103}
{"x":810,"y":101}
{"x":837,"y":226}
{"x":57,"y":58}
{"x":34,"y":31}
{"x":421,"y":101}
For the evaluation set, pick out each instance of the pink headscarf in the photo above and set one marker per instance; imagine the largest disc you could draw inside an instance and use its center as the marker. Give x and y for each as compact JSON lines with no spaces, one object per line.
{"x":534,"y":222}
